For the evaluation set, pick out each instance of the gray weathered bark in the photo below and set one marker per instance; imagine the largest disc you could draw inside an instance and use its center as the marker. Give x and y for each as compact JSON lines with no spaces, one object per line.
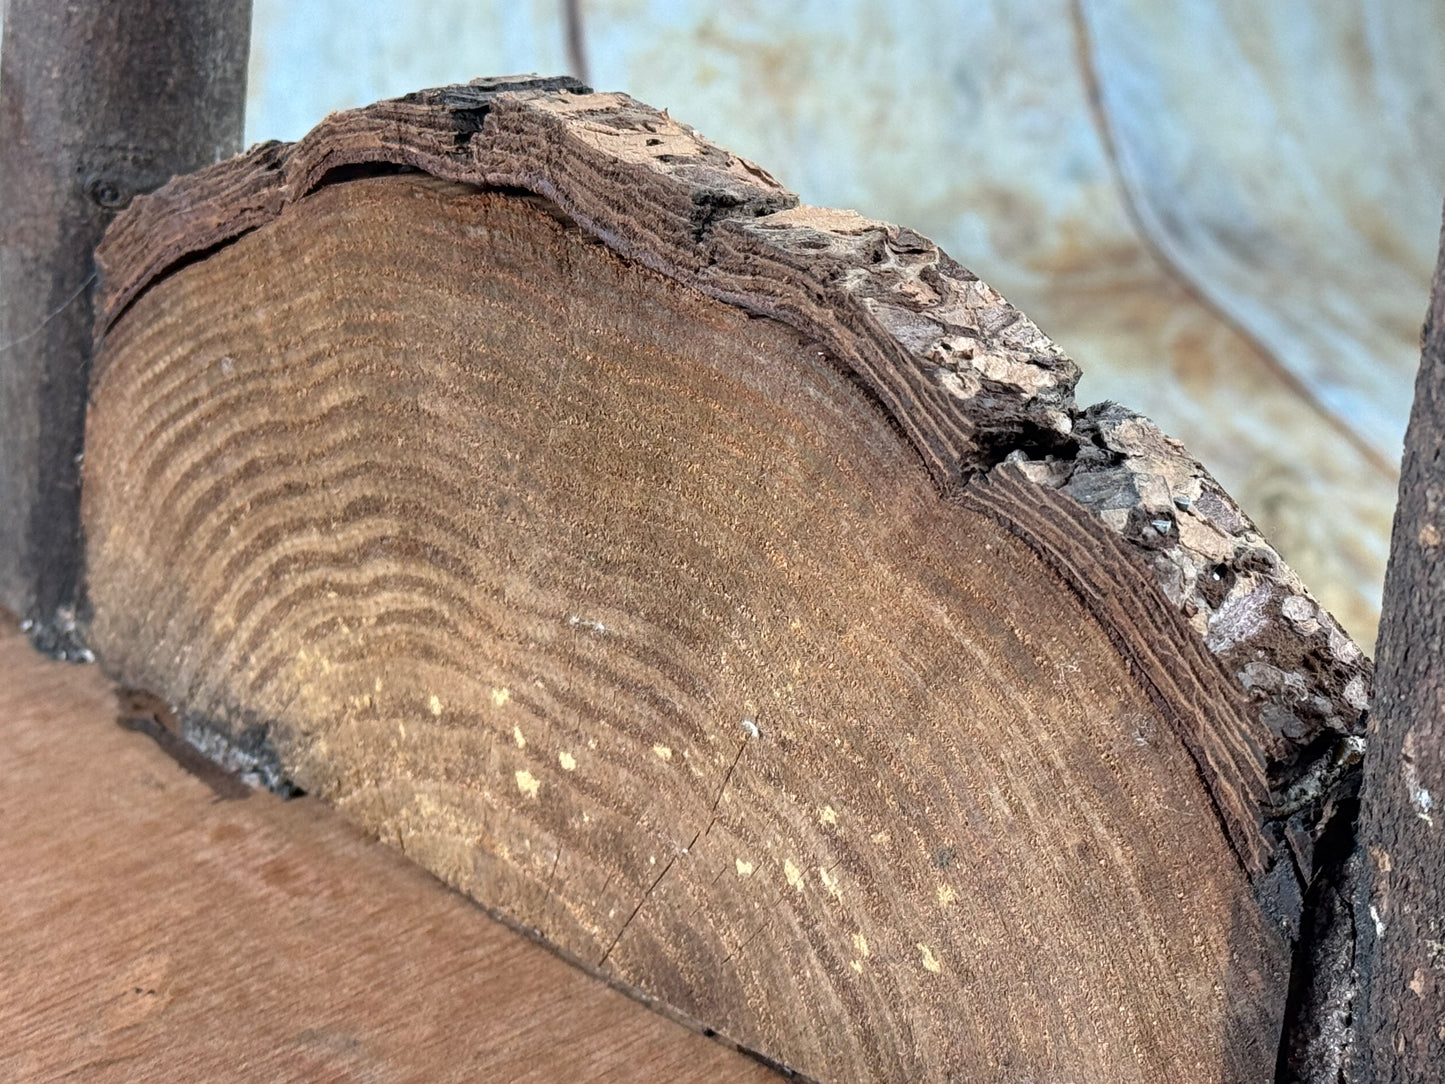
{"x":1400,"y":914}
{"x":98,"y":101}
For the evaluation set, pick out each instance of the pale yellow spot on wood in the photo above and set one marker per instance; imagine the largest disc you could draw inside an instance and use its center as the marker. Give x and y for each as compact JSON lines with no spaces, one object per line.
{"x":830,"y":882}
{"x":662,"y":752}
{"x":500,"y":697}
{"x":745,"y":868}
{"x":401,"y":727}
{"x":376,"y":685}
{"x":434,"y":704}
{"x":946,"y":895}
{"x":861,"y":944}
{"x":857,"y":966}
{"x":880,"y":838}
{"x":793,"y":874}
{"x":519,"y":737}
{"x":1430,"y":535}
{"x":930,"y":961}
{"x":527,"y":783}
{"x":828,"y":815}
{"x":567,"y":760}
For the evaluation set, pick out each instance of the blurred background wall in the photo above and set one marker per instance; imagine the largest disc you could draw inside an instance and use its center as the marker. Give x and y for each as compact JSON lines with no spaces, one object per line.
{"x":1226,"y":211}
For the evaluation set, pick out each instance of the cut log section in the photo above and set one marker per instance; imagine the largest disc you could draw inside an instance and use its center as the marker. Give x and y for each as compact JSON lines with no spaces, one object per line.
{"x":726,"y":589}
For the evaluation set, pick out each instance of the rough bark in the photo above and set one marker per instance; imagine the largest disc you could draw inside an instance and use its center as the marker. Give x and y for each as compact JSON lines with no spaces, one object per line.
{"x":774,"y":602}
{"x":1400,"y":913}
{"x":99,"y":101}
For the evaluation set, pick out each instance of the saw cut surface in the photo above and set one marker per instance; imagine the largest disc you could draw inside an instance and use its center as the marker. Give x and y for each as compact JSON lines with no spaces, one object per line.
{"x":630,"y":616}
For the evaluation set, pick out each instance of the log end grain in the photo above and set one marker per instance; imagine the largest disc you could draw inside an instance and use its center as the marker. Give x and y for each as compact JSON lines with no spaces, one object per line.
{"x":729,"y":590}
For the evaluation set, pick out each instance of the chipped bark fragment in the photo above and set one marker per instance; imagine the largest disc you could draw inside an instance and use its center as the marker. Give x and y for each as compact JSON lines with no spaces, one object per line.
{"x":1305,"y":681}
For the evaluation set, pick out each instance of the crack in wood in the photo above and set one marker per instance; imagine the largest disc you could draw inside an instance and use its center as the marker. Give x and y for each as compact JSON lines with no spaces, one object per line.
{"x":727,"y":775}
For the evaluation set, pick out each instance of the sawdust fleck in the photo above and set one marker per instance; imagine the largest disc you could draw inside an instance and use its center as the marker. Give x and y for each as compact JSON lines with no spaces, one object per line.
{"x":793,"y":874}
{"x":930,"y":961}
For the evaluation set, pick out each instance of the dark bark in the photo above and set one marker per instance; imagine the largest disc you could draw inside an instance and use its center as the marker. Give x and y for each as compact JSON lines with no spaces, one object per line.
{"x":1400,"y":914}
{"x":98,"y":101}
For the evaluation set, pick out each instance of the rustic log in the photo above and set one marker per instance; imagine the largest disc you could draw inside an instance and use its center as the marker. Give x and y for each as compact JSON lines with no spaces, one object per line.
{"x":99,"y":101}
{"x":727,"y":589}
{"x":1400,"y":912}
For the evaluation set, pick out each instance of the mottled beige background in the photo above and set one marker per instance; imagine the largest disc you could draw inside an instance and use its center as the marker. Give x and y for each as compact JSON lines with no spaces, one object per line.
{"x":1227,"y":211}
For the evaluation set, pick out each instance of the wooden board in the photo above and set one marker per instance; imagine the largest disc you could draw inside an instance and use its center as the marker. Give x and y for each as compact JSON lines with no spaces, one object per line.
{"x":151,"y":928}
{"x":830,"y":666}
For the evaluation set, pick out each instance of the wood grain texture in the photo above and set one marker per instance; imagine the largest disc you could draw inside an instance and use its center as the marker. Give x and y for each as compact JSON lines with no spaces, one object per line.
{"x":960,"y":372}
{"x":1400,"y":911}
{"x":719,"y":649}
{"x":98,"y":102}
{"x":150,"y":931}
{"x":521,"y":596}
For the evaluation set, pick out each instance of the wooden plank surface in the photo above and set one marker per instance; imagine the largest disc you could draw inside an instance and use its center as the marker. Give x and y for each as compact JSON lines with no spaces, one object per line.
{"x":151,"y":930}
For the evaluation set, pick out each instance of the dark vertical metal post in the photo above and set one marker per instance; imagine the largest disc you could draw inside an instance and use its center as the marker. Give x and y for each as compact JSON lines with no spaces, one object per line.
{"x":99,"y":100}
